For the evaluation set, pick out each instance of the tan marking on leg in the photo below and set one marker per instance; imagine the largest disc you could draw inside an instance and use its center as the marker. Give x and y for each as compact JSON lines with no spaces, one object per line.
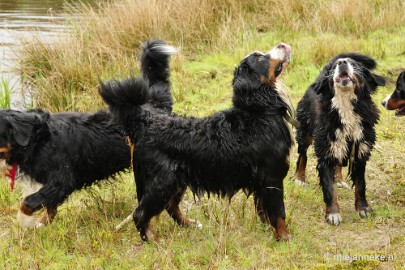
{"x":281,"y":230}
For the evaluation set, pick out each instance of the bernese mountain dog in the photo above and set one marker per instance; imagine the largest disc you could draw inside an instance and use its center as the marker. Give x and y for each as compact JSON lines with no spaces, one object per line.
{"x":245,"y":147}
{"x":58,"y":153}
{"x":396,"y":101}
{"x":338,"y":115}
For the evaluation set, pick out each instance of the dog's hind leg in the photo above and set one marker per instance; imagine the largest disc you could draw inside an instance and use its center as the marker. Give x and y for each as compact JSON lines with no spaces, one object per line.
{"x":152,"y":204}
{"x":174,"y":211}
{"x":359,"y":181}
{"x":339,"y":178}
{"x":272,"y":198}
{"x":302,"y":160}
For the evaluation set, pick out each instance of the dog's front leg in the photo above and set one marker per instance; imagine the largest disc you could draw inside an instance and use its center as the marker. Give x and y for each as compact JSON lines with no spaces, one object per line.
{"x":326,"y":172}
{"x":359,"y":181}
{"x":49,"y":196}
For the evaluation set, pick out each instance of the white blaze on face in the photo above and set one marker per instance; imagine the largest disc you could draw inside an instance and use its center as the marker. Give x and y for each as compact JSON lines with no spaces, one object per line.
{"x":343,"y":77}
{"x":385,"y":101}
{"x":277,"y":53}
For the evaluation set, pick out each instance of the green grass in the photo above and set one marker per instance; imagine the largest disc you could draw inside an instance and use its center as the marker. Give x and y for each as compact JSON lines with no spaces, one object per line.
{"x":6,"y":90}
{"x":83,"y":236}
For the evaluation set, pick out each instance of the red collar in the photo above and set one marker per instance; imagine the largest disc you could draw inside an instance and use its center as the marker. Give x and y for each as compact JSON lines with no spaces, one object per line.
{"x":11,"y":174}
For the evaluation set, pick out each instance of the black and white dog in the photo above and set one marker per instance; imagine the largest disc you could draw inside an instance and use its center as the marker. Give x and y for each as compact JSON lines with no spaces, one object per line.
{"x":396,"y":101}
{"x":245,"y":147}
{"x":338,"y":115}
{"x":63,"y":152}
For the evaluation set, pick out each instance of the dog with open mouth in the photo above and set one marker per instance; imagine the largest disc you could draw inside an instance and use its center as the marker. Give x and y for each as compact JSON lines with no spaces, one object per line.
{"x":246,"y":147}
{"x":339,"y":116}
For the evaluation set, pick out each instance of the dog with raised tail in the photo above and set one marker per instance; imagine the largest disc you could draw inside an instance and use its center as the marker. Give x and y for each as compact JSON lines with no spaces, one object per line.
{"x":58,"y":153}
{"x":244,"y":147}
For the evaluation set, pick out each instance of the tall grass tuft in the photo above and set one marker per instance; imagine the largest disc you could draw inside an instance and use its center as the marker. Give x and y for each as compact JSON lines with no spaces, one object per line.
{"x":6,"y":90}
{"x":105,"y":40}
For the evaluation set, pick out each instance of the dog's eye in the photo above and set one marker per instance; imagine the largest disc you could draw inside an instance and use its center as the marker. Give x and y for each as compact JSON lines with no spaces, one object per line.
{"x":278,"y":69}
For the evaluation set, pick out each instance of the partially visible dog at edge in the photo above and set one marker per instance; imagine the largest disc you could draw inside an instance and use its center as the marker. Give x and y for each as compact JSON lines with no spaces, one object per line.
{"x":339,"y":116}
{"x":58,"y":153}
{"x":396,"y":101}
{"x":245,"y":147}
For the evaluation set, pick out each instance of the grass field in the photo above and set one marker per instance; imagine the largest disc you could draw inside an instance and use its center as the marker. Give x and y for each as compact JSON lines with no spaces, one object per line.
{"x":83,"y":236}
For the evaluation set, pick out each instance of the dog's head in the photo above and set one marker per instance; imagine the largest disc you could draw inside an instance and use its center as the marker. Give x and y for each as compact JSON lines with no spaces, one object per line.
{"x":16,"y":129}
{"x":348,"y":73}
{"x":260,"y":68}
{"x":396,"y":101}
{"x":257,"y":74}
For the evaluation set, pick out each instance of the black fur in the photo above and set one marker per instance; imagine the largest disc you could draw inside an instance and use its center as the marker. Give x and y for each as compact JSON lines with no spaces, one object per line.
{"x":246,"y":147}
{"x":320,"y":121}
{"x":64,"y":152}
{"x":68,"y":151}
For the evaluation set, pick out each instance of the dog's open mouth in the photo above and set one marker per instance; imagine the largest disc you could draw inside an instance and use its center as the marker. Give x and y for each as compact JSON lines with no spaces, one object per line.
{"x":344,"y":78}
{"x":400,"y":111}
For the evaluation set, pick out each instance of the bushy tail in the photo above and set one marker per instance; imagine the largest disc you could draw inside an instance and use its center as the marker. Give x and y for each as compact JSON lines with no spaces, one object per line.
{"x":155,"y":68}
{"x":124,"y":98}
{"x":155,"y":61}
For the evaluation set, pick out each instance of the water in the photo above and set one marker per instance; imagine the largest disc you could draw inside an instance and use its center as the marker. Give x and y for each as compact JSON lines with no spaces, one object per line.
{"x":24,"y":20}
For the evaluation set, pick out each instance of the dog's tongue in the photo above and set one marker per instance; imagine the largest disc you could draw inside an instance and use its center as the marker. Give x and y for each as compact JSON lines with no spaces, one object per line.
{"x":344,"y":76}
{"x":11,"y":174}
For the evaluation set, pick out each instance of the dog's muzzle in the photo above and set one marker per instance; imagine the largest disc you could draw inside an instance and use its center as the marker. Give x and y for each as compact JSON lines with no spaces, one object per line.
{"x":344,"y":72}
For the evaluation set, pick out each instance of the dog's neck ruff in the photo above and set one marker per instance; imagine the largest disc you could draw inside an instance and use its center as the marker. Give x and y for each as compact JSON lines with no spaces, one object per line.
{"x":351,"y":129}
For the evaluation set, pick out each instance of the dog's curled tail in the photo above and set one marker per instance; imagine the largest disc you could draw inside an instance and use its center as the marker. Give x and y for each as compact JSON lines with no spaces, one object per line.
{"x":124,"y":98}
{"x":155,"y":61}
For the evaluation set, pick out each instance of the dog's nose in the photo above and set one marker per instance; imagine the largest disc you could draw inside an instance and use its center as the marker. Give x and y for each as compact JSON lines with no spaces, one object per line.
{"x":342,"y":62}
{"x":284,"y":46}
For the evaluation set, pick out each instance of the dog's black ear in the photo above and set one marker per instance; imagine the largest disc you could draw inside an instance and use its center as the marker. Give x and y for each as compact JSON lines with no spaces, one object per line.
{"x":21,"y":131}
{"x":244,"y":78}
{"x":320,"y":84}
{"x":22,"y":125}
{"x":400,"y":85}
{"x":373,"y":81}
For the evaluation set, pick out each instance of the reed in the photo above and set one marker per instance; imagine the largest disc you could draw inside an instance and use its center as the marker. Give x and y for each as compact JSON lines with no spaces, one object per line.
{"x":104,"y":41}
{"x":6,"y":90}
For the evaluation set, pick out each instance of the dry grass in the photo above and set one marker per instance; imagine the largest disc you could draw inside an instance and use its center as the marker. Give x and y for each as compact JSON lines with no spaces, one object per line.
{"x":104,"y":41}
{"x":104,"y":44}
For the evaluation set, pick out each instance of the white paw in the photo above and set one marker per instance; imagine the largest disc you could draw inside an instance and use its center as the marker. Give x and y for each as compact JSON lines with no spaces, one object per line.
{"x":199,"y":225}
{"x":343,"y":185}
{"x":334,"y":219}
{"x":26,"y":221}
{"x":366,"y":212}
{"x":300,"y":183}
{"x":39,"y":225}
